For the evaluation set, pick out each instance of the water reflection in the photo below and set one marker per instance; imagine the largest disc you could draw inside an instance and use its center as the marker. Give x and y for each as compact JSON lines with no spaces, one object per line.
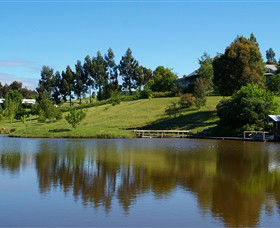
{"x":232,"y":181}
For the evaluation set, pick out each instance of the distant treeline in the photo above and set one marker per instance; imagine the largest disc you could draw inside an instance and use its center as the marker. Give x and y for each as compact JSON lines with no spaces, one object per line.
{"x":26,"y":93}
{"x":102,"y":74}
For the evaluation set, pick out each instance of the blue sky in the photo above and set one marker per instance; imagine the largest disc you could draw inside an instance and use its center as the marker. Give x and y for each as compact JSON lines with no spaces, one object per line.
{"x":169,"y":33}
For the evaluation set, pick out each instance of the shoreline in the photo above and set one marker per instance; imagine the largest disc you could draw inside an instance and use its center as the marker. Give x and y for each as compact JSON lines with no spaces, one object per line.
{"x":186,"y":137}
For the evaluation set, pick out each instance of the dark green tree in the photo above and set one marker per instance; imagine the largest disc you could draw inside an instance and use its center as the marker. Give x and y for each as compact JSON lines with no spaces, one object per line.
{"x":55,"y":87}
{"x":270,"y":56}
{"x":241,"y":64}
{"x":163,"y":79}
{"x":273,"y":84}
{"x":247,"y":108}
{"x":67,"y":84}
{"x":100,"y":74}
{"x":128,"y":70}
{"x":145,"y":75}
{"x":16,"y":86}
{"x":89,"y":74}
{"x":253,"y":39}
{"x":80,"y":81}
{"x":111,"y":67}
{"x":45,"y":83}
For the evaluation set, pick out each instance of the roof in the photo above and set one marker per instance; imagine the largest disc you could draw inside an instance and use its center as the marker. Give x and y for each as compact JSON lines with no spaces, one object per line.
{"x":271,"y":67}
{"x":275,"y":118}
{"x":192,"y":74}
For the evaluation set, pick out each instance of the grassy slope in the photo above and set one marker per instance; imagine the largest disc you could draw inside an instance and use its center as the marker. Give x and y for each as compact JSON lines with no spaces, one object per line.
{"x":109,"y":121}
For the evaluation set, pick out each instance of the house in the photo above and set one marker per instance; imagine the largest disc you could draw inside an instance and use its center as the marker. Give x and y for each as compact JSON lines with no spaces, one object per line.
{"x":276,"y":126}
{"x":187,"y":81}
{"x":271,"y":69}
{"x":28,"y":101}
{"x":24,"y":101}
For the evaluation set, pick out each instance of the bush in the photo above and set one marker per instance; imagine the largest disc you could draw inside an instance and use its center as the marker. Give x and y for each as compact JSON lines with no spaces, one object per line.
{"x":146,"y":93}
{"x":273,"y":84}
{"x":46,"y":110}
{"x":187,"y":100}
{"x":248,"y":107}
{"x":174,"y":109}
{"x":201,"y":86}
{"x":12,"y":104}
{"x":163,"y":94}
{"x":75,"y":117}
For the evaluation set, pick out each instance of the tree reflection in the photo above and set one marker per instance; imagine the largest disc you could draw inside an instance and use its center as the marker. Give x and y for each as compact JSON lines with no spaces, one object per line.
{"x":10,"y":162}
{"x":231,"y":180}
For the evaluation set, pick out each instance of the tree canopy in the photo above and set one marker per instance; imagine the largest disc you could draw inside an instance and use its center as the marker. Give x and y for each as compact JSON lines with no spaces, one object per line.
{"x":249,"y":106}
{"x":241,"y":64}
{"x":163,"y":79}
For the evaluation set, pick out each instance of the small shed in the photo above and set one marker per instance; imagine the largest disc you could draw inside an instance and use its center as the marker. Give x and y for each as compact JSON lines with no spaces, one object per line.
{"x":276,"y":126}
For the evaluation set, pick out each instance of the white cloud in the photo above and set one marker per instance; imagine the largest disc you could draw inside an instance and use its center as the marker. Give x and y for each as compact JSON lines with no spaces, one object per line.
{"x":30,"y":83}
{"x":15,"y":63}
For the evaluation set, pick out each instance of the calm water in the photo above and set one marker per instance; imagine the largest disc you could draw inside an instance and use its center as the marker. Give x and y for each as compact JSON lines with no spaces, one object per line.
{"x":138,"y":183}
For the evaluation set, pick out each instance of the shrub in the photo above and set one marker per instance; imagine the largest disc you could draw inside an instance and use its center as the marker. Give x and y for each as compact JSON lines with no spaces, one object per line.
{"x":248,"y":107}
{"x":75,"y":117}
{"x":146,"y":93}
{"x":201,"y":86}
{"x":187,"y":100}
{"x":116,"y":98}
{"x":163,"y":94}
{"x":12,"y":104}
{"x":47,"y":110}
{"x":273,"y":84}
{"x":174,"y":109}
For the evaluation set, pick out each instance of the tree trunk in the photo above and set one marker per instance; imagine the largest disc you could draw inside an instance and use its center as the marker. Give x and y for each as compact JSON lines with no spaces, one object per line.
{"x":90,"y":94}
{"x":70,"y":101}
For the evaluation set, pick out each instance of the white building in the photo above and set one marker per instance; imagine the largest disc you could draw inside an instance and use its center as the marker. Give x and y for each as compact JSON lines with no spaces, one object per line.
{"x":24,"y":101}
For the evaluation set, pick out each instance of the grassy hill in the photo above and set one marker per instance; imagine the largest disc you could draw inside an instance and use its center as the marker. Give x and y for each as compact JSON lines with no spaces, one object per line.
{"x":109,"y":121}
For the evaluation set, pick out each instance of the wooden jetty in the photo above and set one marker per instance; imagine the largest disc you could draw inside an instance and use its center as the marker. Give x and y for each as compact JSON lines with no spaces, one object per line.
{"x":162,"y":133}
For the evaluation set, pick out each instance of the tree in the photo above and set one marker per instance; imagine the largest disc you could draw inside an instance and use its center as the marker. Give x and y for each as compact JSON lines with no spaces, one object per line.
{"x":100,"y":73}
{"x":89,"y":74}
{"x":111,"y":67}
{"x":67,"y":85}
{"x":75,"y":117}
{"x":1,"y":90}
{"x":45,"y":83}
{"x":145,"y":75}
{"x":80,"y":81}
{"x":273,"y":84}
{"x":253,"y":39}
{"x":15,"y":86}
{"x":248,"y":107}
{"x":163,"y":79}
{"x":12,"y":104}
{"x":241,"y":64}
{"x":270,"y":56}
{"x":201,"y":86}
{"x":46,"y":110}
{"x":205,"y":71}
{"x":128,"y":70}
{"x":55,"y":87}
{"x":112,"y":75}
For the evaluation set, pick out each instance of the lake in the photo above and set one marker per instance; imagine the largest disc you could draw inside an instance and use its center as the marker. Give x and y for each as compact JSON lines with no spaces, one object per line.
{"x":138,"y":182}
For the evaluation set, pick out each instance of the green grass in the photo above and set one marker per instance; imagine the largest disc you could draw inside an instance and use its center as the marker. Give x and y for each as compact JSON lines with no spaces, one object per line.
{"x":109,"y":121}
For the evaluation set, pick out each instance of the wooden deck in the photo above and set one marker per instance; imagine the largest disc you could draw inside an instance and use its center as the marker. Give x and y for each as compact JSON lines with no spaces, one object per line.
{"x":162,"y":133}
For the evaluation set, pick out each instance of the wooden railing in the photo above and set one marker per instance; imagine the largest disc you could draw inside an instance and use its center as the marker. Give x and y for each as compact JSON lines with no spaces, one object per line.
{"x":162,"y":133}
